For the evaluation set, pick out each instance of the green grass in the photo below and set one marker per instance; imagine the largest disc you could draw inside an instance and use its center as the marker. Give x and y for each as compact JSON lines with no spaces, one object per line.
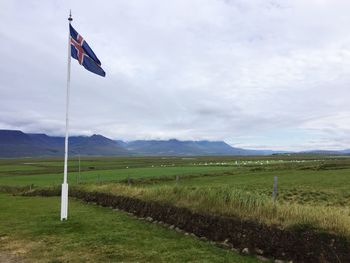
{"x":30,"y":227}
{"x":312,"y":190}
{"x":239,"y":203}
{"x":327,"y":187}
{"x":105,"y":175}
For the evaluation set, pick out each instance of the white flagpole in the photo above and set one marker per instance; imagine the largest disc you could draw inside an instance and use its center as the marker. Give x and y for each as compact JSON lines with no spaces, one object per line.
{"x":64,"y":193}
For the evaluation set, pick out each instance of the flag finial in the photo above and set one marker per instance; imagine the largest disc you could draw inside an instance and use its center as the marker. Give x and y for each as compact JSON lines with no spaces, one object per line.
{"x":70,"y":19}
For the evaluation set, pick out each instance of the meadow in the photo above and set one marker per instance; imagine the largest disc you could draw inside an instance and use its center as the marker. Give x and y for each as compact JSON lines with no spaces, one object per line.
{"x":48,"y":172}
{"x":30,"y":231}
{"x":313,"y":193}
{"x":301,"y":179}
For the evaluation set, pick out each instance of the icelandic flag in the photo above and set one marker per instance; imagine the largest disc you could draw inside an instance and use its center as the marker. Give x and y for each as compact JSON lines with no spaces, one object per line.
{"x":81,"y":51}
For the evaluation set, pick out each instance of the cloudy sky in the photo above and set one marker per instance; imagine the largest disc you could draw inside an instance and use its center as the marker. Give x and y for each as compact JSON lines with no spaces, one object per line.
{"x":256,"y":73}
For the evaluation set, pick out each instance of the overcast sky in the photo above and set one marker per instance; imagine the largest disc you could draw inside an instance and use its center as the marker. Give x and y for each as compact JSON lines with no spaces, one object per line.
{"x":255,"y":73}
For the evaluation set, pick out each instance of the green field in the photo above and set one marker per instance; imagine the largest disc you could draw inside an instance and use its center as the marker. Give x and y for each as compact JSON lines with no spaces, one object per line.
{"x":329,"y":187}
{"x":312,"y":191}
{"x":30,"y":229}
{"x":43,"y":172}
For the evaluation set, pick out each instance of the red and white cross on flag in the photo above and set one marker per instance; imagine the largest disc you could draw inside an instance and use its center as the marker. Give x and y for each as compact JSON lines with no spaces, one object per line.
{"x":81,"y":51}
{"x":78,"y":44}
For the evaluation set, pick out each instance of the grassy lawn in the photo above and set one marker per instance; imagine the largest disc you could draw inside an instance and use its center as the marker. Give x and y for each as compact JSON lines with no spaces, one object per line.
{"x":30,"y":228}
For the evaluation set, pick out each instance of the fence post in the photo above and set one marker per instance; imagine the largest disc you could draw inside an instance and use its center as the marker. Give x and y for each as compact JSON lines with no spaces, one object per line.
{"x":79,"y":170}
{"x":274,"y":193}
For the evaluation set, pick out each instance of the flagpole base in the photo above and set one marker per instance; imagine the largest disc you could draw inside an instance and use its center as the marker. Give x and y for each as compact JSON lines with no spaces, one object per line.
{"x":64,"y":202}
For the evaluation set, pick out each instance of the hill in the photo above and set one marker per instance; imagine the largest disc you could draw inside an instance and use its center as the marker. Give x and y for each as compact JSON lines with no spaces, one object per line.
{"x":175,"y":147}
{"x":15,"y":143}
{"x":19,"y":144}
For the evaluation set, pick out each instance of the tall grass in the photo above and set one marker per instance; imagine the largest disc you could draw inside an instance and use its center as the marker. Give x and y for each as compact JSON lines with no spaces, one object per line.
{"x":242,"y":204}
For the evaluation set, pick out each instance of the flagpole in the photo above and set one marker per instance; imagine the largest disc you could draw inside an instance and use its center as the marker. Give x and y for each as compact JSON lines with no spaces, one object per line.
{"x":64,"y":192}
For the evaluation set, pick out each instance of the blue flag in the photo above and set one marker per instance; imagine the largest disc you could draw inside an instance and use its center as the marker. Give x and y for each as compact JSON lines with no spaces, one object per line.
{"x":82,"y":52}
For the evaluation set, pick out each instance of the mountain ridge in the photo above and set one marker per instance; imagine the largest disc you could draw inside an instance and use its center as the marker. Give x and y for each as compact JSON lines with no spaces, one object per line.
{"x":15,"y":143}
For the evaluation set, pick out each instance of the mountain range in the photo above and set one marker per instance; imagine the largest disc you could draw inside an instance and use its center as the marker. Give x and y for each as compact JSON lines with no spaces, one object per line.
{"x":14,"y":143}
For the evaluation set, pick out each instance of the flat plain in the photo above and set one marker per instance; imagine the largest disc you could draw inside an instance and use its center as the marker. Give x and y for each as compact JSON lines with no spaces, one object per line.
{"x":313,"y":191}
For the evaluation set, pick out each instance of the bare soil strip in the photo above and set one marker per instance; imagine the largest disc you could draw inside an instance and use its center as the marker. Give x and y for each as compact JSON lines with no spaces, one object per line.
{"x":8,"y":258}
{"x":299,"y":245}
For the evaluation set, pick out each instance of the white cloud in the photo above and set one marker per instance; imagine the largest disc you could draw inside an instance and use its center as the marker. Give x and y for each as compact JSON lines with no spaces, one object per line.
{"x":266,"y":74}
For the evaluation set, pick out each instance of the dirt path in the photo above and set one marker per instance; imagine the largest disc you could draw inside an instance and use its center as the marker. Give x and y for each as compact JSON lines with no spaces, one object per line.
{"x":6,"y":257}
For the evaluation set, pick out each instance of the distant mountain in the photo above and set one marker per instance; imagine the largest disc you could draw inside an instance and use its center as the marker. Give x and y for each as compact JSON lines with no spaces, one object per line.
{"x":175,"y":147}
{"x":326,"y":152}
{"x":19,"y":144}
{"x":96,"y":145}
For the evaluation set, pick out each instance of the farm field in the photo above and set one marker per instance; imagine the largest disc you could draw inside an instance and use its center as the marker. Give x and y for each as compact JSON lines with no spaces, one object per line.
{"x":328,"y":187}
{"x":46,"y":172}
{"x":313,"y":193}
